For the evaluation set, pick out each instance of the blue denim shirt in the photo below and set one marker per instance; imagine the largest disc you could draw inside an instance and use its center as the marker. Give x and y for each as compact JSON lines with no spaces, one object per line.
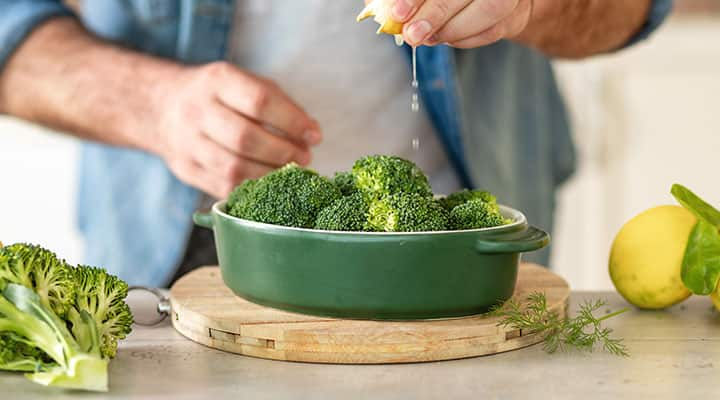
{"x":497,"y":110}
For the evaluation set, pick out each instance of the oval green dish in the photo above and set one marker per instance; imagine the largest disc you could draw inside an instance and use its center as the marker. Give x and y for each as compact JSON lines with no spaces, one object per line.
{"x":369,"y":275}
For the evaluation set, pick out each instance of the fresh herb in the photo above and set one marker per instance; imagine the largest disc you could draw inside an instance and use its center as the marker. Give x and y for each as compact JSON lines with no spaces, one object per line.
{"x":583,"y":332}
{"x":701,"y":263}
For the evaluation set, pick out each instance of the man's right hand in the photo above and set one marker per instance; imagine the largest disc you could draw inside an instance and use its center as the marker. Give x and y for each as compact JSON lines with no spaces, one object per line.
{"x":214,"y":125}
{"x":219,"y":125}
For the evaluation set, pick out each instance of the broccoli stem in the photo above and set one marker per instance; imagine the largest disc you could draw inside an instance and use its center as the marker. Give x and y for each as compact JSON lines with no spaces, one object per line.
{"x":22,"y":313}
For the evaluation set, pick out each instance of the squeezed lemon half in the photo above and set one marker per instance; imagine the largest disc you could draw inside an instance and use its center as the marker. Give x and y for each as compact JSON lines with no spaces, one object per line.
{"x":380,"y":10}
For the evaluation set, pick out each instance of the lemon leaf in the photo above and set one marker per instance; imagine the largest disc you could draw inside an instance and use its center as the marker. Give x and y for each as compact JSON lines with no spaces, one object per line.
{"x":701,"y":263}
{"x":696,"y":205}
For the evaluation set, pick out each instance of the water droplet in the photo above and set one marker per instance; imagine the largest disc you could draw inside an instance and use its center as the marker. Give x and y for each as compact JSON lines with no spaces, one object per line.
{"x":416,"y":144}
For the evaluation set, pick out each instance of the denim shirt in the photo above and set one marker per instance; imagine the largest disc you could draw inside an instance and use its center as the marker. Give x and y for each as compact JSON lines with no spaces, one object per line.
{"x":497,"y":110}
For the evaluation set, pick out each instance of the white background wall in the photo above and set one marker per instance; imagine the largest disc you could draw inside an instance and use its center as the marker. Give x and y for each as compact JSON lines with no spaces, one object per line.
{"x":643,"y":119}
{"x":37,"y":188}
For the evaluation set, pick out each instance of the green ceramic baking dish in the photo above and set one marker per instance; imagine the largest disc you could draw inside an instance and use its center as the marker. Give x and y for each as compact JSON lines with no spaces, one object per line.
{"x":365,"y":275}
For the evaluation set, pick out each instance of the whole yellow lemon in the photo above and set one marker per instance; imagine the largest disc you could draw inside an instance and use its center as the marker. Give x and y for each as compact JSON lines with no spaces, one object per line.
{"x":646,"y":257}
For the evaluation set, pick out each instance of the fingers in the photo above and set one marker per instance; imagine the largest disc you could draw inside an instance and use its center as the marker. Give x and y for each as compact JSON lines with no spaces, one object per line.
{"x":245,"y":138}
{"x":402,"y":10}
{"x":509,"y":27}
{"x":429,"y":18}
{"x":263,"y":101}
{"x":218,"y":171}
{"x":477,"y":17}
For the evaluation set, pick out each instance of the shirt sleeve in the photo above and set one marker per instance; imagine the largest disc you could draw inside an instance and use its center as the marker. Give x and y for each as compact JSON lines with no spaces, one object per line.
{"x":659,"y":11}
{"x":18,"y":18}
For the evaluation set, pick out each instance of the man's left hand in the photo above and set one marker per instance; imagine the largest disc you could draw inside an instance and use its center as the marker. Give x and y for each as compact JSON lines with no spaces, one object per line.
{"x":461,"y":23}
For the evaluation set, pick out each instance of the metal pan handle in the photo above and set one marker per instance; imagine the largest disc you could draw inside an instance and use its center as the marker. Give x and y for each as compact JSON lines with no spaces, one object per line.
{"x":529,"y":239}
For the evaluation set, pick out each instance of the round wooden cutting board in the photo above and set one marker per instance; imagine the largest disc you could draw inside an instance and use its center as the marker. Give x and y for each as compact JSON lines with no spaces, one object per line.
{"x":207,"y":312}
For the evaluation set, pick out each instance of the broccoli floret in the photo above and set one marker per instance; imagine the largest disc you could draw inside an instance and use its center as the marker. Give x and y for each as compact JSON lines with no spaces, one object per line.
{"x":380,"y":176}
{"x":349,"y":213}
{"x":102,"y":296}
{"x":345,"y":181}
{"x":240,"y":192}
{"x":405,"y":212}
{"x":23,"y":316}
{"x":16,"y":355}
{"x":290,"y":196}
{"x":59,"y":322}
{"x":465,"y":195}
{"x":475,"y":214}
{"x":41,"y":270}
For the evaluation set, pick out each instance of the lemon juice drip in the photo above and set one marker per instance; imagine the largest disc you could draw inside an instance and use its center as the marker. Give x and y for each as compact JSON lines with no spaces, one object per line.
{"x":415,"y":104}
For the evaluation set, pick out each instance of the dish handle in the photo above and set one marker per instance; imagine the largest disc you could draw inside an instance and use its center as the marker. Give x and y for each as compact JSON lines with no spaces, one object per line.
{"x":529,"y":239}
{"x":203,"y":219}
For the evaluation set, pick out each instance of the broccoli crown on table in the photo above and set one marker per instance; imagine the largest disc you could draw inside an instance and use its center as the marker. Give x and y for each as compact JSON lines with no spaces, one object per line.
{"x":475,"y":214}
{"x":291,"y":196}
{"x":349,"y":213}
{"x":59,"y":323}
{"x":379,"y":176}
{"x":41,"y":270}
{"x":407,"y":212}
{"x":102,"y":296}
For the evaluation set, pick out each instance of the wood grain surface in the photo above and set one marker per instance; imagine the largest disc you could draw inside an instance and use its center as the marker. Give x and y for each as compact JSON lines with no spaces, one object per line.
{"x":207,"y":312}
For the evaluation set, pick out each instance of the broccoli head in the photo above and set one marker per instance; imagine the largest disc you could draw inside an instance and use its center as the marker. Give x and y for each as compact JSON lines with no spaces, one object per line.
{"x":240,"y":192}
{"x":41,"y":270}
{"x":405,"y":212}
{"x":349,"y":213}
{"x":57,"y":322}
{"x":380,"y":176}
{"x":102,"y":296}
{"x":476,"y":214}
{"x":290,"y":196}
{"x":17,"y":355}
{"x":345,"y":181}
{"x":465,"y":195}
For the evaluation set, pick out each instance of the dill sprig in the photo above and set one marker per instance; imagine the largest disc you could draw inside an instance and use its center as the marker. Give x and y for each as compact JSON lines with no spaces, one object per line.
{"x":583,"y":332}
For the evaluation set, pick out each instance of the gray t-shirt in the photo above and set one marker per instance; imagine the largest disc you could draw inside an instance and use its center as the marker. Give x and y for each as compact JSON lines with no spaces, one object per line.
{"x":355,"y":83}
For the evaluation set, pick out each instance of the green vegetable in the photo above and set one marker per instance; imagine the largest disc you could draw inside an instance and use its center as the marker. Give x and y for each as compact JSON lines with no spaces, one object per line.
{"x":696,"y":205}
{"x":466,"y":195}
{"x":406,"y":212}
{"x":380,"y":176}
{"x":17,"y":355}
{"x":345,"y":181}
{"x":701,"y":263}
{"x":475,"y":214}
{"x":290,"y":196}
{"x":39,"y":269}
{"x":240,"y":192}
{"x":349,"y":213}
{"x":583,"y":332}
{"x":102,"y":296}
{"x":380,"y":194}
{"x":57,"y":322}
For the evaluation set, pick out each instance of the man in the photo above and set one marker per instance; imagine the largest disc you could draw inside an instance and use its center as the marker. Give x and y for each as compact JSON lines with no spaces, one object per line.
{"x":181,"y":98}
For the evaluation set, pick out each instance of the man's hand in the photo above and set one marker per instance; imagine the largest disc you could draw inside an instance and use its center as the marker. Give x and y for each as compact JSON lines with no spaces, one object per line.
{"x":219,"y":125}
{"x":214,"y":125}
{"x":562,"y":28}
{"x":461,"y":23}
